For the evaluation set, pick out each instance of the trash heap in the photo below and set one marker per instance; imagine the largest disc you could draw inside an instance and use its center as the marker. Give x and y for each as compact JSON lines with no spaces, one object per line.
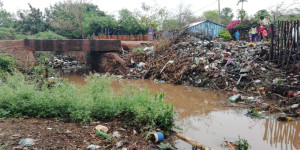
{"x":236,"y":66}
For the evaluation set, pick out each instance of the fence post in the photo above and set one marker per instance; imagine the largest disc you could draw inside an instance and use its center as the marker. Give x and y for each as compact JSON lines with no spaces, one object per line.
{"x":271,"y":55}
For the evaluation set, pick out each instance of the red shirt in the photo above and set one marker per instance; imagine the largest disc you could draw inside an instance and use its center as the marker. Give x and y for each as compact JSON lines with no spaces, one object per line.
{"x":261,"y":29}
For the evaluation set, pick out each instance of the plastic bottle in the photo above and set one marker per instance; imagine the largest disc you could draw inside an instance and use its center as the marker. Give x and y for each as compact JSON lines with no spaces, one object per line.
{"x":103,"y":134}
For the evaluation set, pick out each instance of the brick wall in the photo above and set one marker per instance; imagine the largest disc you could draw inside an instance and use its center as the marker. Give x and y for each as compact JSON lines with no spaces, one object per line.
{"x":17,"y":50}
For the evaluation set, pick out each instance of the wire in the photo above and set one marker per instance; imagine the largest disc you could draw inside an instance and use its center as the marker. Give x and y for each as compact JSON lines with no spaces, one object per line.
{"x":205,"y":6}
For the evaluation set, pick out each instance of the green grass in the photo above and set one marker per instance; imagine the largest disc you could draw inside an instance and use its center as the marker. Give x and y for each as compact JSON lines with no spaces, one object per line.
{"x":140,"y":49}
{"x":21,"y":96}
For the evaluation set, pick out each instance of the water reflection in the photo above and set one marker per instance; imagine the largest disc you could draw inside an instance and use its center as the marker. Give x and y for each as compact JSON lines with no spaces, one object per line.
{"x":203,"y":117}
{"x":283,"y":135}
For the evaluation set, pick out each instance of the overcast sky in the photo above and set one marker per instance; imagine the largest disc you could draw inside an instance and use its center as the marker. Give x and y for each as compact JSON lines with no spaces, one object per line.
{"x":112,"y":6}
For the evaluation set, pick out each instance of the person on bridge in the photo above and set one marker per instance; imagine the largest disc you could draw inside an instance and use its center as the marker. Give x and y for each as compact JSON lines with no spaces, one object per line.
{"x":150,"y":33}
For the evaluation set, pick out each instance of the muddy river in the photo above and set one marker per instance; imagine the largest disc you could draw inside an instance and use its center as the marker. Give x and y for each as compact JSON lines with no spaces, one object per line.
{"x":204,"y":117}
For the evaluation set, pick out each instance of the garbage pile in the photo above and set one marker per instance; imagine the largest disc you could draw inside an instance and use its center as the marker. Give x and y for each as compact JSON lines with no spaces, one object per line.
{"x":236,"y":66}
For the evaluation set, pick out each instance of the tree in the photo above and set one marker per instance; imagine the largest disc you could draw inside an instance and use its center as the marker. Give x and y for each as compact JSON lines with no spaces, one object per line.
{"x":261,"y":15}
{"x":68,"y":16}
{"x":282,"y":11}
{"x":211,"y":15}
{"x":226,"y":15}
{"x":6,"y":19}
{"x":128,"y":22}
{"x":242,"y":14}
{"x":31,"y":21}
{"x":242,"y":1}
{"x":184,"y":15}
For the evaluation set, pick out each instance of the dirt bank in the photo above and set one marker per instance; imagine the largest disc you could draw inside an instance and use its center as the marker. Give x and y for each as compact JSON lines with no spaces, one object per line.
{"x":59,"y":134}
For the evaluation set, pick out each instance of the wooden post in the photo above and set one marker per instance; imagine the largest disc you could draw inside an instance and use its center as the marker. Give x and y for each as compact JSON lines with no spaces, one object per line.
{"x":271,"y":57}
{"x":192,"y":142}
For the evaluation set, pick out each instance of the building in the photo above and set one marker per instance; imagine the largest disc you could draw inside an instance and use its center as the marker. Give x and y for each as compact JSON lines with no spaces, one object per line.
{"x":207,"y":27}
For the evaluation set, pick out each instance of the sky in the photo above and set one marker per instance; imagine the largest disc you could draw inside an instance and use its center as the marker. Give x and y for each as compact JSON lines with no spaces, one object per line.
{"x":113,"y":6}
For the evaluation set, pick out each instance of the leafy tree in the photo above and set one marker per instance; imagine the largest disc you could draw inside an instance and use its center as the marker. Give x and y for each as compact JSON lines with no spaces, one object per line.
{"x":226,"y":15}
{"x":31,"y":21}
{"x":68,"y":16}
{"x":261,"y":15}
{"x":211,"y":15}
{"x":242,"y":14}
{"x":6,"y":19}
{"x":97,"y":25}
{"x":170,"y":24}
{"x":128,"y":22}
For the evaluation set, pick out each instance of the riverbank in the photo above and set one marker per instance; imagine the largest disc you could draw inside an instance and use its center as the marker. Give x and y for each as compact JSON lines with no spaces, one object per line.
{"x":61,"y":134}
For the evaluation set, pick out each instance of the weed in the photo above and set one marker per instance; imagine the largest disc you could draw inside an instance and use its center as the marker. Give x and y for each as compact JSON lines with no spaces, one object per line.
{"x":21,"y":96}
{"x":7,"y":65}
{"x":254,"y":113}
{"x":140,"y":49}
{"x":242,"y":144}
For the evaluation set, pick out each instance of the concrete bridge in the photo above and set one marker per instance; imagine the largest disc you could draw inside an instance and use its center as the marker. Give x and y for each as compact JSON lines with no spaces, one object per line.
{"x":22,"y":50}
{"x":73,"y":45}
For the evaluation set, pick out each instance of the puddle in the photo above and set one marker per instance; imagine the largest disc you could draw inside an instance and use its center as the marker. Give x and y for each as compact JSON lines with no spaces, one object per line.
{"x":203,"y":117}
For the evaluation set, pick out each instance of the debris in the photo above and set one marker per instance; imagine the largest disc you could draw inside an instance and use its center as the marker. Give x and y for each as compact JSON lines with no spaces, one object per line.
{"x":119,"y":144}
{"x":116,"y":134}
{"x":192,"y":142}
{"x":167,"y":146}
{"x":26,"y":142}
{"x":156,"y":137}
{"x":103,"y":134}
{"x":295,"y":106}
{"x":235,"y":98}
{"x":284,"y":119}
{"x":68,"y":132}
{"x":101,"y":128}
{"x":93,"y":147}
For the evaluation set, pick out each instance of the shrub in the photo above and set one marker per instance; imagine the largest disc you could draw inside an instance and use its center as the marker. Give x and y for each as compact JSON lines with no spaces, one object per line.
{"x":95,"y":101}
{"x":225,"y":35}
{"x":7,"y":65}
{"x":48,"y":35}
{"x":7,"y":34}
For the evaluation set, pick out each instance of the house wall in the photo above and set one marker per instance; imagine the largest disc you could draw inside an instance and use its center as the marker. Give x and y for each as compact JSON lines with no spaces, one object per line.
{"x":207,"y":27}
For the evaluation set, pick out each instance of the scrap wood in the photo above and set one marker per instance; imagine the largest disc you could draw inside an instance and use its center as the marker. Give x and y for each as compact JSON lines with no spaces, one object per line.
{"x":192,"y":142}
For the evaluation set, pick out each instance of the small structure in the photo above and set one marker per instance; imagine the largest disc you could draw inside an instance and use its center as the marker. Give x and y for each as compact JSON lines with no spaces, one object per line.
{"x":207,"y":27}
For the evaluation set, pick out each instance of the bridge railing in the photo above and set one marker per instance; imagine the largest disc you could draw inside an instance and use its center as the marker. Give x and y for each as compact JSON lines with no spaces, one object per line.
{"x":139,"y":37}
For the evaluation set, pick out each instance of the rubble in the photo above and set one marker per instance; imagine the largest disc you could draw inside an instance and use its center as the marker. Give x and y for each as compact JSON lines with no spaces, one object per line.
{"x":220,"y":65}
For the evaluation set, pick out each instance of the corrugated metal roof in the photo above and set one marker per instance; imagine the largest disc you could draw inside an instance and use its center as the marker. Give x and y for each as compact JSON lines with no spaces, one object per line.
{"x":196,"y":23}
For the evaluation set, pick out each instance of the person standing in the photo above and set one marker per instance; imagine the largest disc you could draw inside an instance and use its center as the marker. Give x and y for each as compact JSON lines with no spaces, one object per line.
{"x":150,"y":33}
{"x":261,"y":30}
{"x":237,"y":35}
{"x":265,"y":34}
{"x":253,"y":31}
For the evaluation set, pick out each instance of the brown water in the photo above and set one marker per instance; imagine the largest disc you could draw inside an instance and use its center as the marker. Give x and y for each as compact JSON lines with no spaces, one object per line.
{"x":203,"y":117}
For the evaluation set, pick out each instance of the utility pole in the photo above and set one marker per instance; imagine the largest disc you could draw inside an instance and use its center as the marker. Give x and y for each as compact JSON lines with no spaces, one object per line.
{"x":219,"y":18}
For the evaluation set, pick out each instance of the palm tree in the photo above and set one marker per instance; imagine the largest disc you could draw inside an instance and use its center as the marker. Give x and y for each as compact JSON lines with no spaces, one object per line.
{"x":242,"y":1}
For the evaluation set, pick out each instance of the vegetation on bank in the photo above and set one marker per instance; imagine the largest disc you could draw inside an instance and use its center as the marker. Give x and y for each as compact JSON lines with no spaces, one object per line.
{"x":21,"y":96}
